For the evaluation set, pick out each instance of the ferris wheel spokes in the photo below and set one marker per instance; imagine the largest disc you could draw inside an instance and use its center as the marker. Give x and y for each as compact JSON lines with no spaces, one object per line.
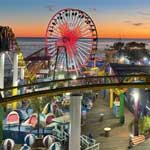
{"x":74,"y":30}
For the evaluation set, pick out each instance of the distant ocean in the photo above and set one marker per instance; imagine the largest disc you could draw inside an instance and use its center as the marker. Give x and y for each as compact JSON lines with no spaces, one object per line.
{"x":30,"y":45}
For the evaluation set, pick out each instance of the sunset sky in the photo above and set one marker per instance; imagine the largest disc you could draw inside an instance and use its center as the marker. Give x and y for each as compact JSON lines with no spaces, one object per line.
{"x":113,"y":18}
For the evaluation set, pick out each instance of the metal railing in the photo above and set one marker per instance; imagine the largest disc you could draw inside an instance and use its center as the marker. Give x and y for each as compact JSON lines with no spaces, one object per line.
{"x":70,"y":85}
{"x":94,"y":147}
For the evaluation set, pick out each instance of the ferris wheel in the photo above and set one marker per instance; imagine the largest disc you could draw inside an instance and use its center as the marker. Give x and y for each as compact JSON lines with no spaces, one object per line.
{"x":71,"y":39}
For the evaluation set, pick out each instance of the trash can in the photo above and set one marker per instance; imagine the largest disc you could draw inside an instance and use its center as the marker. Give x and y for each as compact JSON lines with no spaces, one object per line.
{"x":101,"y":116}
{"x":107,"y":131}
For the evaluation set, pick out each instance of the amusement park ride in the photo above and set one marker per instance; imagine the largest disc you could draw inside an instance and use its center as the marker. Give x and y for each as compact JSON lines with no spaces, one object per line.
{"x":71,"y":37}
{"x":71,"y":41}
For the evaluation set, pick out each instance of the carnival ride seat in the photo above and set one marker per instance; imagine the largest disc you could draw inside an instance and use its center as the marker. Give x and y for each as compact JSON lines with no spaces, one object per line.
{"x":49,"y":118}
{"x":46,"y":109}
{"x":33,"y":120}
{"x":12,"y":118}
{"x":22,"y":114}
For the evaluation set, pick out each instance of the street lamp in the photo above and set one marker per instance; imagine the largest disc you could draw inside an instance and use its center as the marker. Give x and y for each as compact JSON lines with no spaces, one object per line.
{"x":145,"y":60}
{"x":74,"y":77}
{"x":122,"y":59}
{"x":136,"y":107}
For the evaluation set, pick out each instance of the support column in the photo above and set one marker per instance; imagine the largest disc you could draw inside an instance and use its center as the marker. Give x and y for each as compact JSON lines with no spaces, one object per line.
{"x":22,"y":73}
{"x":21,"y":82}
{"x":122,"y":117}
{"x":2,"y":63}
{"x":15,"y":77}
{"x":111,"y":98}
{"x":1,"y":123}
{"x":136,"y":117}
{"x":75,"y":125}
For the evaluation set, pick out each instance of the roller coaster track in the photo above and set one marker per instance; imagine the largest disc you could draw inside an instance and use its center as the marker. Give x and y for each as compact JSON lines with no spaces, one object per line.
{"x":21,"y":63}
{"x":67,"y":85}
{"x":37,"y":61}
{"x":8,"y":42}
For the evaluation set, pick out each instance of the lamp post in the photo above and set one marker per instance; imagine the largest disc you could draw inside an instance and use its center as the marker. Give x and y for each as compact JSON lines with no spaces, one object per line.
{"x":136,"y":107}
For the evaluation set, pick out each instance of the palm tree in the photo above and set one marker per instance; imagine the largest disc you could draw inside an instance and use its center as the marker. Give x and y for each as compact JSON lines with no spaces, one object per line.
{"x":118,"y":46}
{"x":136,"y":51}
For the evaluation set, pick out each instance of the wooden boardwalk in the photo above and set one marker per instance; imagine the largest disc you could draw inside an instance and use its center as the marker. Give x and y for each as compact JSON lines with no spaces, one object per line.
{"x":119,"y":135}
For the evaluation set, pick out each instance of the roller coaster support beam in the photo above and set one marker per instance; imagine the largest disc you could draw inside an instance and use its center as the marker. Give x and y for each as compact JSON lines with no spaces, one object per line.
{"x":15,"y":77}
{"x":122,"y":99}
{"x":75,"y":114}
